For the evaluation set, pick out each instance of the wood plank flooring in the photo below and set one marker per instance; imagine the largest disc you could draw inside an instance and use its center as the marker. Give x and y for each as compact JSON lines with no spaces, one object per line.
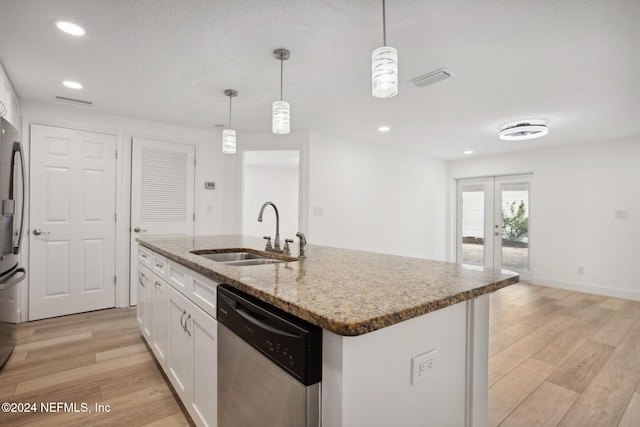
{"x":561,"y":358}
{"x":92,"y":358}
{"x":557,"y":358}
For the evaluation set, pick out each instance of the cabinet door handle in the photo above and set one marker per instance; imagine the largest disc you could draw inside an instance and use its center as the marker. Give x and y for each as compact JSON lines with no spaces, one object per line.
{"x":182,"y":317}
{"x":158,"y":284}
{"x":159,"y":265}
{"x":185,"y":325}
{"x":141,"y":278}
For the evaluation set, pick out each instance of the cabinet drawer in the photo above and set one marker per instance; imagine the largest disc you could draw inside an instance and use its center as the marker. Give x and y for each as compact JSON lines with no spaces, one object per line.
{"x":159,"y":265}
{"x":204,"y":293}
{"x":144,"y":255}
{"x":179,"y":277}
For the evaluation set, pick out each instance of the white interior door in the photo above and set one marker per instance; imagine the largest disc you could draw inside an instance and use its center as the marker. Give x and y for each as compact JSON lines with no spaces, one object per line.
{"x":162,"y":193}
{"x":493,"y":227}
{"x":72,"y":219}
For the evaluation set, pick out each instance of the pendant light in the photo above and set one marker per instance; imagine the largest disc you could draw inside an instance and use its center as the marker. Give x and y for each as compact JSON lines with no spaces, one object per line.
{"x":281,"y":111}
{"x":229,"y":135}
{"x":384,"y":66}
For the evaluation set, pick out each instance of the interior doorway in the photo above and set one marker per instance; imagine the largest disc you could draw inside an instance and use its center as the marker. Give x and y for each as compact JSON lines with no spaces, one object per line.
{"x":493,"y":222}
{"x":271,"y":176}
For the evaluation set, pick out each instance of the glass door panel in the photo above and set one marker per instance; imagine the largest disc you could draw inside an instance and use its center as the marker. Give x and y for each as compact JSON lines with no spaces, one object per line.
{"x":472,"y":244}
{"x":515,"y":225}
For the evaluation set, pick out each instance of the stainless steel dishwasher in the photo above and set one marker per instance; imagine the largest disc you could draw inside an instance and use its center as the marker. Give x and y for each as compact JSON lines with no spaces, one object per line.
{"x":269,"y":365}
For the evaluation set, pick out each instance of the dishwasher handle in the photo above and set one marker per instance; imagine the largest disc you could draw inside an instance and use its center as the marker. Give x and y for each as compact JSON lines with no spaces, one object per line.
{"x":256,"y":319}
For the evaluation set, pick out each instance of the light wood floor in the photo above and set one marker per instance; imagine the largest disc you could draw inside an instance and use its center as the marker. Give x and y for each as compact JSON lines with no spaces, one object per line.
{"x":561,"y":358}
{"x":557,"y":358}
{"x":96,"y":357}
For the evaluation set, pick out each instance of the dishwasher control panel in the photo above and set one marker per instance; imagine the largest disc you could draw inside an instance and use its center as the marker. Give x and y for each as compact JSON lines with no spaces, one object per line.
{"x":292,"y":343}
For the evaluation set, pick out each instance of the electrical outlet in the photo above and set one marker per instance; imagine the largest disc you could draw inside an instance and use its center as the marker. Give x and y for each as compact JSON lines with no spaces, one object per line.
{"x":423,"y":366}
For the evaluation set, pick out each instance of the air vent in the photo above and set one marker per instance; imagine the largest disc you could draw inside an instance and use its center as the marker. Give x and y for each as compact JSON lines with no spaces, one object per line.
{"x":432,"y":77}
{"x":74,"y":101}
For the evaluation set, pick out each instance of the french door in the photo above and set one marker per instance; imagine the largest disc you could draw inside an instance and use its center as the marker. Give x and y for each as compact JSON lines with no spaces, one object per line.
{"x":493,"y":227}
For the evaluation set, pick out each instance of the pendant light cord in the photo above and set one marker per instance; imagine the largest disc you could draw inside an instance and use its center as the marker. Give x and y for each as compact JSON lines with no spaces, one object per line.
{"x":384,"y":25}
{"x":230,"y":99}
{"x":281,"y":75}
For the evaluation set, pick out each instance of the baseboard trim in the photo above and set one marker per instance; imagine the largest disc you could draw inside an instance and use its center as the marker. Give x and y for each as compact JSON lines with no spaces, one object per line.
{"x":591,"y":289}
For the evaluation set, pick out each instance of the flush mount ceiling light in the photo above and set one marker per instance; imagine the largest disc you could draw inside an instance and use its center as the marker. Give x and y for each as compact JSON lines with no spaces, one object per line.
{"x":72,"y":85}
{"x":384,"y":66}
{"x":468,"y":151}
{"x":70,"y":28}
{"x":229,"y":135}
{"x":384,"y":129}
{"x":524,"y":129}
{"x":281,"y":111}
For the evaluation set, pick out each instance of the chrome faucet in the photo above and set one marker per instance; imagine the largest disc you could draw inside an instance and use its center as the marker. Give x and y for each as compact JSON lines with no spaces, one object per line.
{"x":276,"y":243}
{"x":303,"y":242}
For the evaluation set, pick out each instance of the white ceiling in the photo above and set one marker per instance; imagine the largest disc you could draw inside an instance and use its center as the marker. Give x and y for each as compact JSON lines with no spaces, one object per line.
{"x":574,"y":63}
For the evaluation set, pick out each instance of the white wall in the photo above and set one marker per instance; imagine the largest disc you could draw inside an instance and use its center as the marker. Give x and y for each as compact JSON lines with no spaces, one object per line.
{"x":376,"y":198}
{"x":576,"y":191}
{"x":223,"y":217}
{"x":278,"y":185}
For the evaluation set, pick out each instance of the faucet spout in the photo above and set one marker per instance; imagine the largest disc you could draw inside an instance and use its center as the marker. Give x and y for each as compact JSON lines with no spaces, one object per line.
{"x":276,"y":243}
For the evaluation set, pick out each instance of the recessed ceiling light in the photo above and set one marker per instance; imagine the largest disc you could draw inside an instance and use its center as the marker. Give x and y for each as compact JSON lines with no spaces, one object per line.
{"x":70,"y":28}
{"x":384,"y":129}
{"x":72,"y":85}
{"x":524,"y":129}
{"x":468,"y":152}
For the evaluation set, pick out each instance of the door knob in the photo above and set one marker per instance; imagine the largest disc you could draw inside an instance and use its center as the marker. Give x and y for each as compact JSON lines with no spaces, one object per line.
{"x":138,"y":229}
{"x":37,"y":232}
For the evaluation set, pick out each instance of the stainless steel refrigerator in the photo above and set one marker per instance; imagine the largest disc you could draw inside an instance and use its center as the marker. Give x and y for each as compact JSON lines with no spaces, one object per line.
{"x":12,"y":193}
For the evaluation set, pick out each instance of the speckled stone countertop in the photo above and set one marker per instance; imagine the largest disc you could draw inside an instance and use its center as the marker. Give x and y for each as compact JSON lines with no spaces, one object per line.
{"x":344,"y":291}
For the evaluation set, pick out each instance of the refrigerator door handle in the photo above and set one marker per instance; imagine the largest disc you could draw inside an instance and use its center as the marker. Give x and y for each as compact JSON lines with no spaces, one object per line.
{"x":17,"y":148}
{"x":13,"y":279}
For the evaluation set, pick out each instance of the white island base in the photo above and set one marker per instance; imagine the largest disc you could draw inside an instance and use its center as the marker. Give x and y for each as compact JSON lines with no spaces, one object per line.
{"x":366,"y":379}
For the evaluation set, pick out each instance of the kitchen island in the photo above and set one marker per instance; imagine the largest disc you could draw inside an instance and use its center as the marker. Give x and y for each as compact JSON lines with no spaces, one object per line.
{"x":378,"y":313}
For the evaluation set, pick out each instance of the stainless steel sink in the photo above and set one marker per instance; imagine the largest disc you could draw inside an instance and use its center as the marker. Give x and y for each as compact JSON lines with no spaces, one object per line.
{"x":261,"y":261}
{"x":242,"y":257}
{"x":232,"y":256}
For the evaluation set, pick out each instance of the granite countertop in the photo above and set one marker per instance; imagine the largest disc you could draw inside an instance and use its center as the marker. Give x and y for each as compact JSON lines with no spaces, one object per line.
{"x":347,"y":292}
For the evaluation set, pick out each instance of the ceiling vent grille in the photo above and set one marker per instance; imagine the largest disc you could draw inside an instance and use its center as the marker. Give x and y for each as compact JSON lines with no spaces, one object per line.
{"x":432,"y":77}
{"x":74,"y":101}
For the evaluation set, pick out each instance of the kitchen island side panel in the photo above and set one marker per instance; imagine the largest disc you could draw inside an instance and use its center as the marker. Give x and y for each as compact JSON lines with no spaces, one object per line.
{"x":367,"y":378}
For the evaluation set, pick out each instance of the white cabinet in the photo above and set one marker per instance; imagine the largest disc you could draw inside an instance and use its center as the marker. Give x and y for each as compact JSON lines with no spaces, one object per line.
{"x":177,"y":318}
{"x":144,"y":311}
{"x":159,"y":322}
{"x":8,"y":100}
{"x":192,"y":355}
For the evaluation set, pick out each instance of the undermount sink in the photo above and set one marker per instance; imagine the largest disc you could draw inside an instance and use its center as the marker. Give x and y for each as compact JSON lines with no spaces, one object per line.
{"x":242,"y":257}
{"x":231,"y":256}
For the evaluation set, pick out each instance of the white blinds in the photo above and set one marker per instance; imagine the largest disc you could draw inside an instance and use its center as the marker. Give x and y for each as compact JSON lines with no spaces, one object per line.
{"x":164,"y":185}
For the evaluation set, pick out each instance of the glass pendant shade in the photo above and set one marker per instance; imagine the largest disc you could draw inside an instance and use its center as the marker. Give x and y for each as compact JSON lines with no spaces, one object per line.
{"x":281,"y":118}
{"x":229,"y":141}
{"x":384,"y":72}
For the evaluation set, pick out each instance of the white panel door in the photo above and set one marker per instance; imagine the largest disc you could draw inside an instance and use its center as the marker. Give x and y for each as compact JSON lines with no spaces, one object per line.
{"x":162,"y":193}
{"x":72,"y":218}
